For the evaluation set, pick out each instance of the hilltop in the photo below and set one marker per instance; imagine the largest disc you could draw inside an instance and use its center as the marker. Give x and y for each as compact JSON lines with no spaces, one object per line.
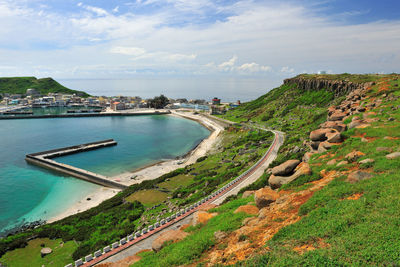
{"x":19,"y":85}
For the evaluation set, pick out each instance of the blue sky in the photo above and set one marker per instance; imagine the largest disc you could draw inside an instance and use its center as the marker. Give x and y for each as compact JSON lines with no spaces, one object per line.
{"x":241,"y":38}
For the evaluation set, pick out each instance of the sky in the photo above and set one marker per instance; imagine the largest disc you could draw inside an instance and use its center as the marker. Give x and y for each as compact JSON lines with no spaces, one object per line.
{"x":223,"y":39}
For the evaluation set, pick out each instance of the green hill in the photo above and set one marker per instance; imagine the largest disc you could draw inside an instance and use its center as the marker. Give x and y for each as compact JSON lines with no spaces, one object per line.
{"x":19,"y":85}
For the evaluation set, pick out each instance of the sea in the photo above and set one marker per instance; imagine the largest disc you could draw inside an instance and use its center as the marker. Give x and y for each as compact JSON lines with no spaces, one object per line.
{"x":30,"y":193}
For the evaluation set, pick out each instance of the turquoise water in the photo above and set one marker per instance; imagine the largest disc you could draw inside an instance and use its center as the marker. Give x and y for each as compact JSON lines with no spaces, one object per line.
{"x":29,"y":193}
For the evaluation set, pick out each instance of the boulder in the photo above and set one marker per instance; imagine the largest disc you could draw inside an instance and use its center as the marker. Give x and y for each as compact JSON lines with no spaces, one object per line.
{"x":202,"y":217}
{"x":339,"y":126}
{"x":357,"y":176}
{"x":343,"y":162}
{"x":315,"y":144}
{"x":354,"y":124}
{"x":265,"y":196}
{"x":386,"y":149}
{"x":354,"y":155}
{"x":331,"y":162}
{"x":286,"y":167}
{"x":248,"y":193}
{"x":277,"y":181}
{"x":45,"y":251}
{"x":334,"y":137}
{"x":170,"y":235}
{"x":319,"y":135}
{"x":337,"y":116}
{"x":393,"y":155}
{"x":248,"y":209}
{"x":367,"y":161}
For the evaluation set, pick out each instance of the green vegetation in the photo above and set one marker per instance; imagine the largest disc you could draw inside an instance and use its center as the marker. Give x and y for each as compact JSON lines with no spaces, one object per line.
{"x":201,"y":238}
{"x":147,"y":197}
{"x":130,"y":210}
{"x":19,"y":85}
{"x":31,"y":253}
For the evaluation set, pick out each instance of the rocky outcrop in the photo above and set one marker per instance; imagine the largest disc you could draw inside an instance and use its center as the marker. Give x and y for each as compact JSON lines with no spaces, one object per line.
{"x":357,"y":176}
{"x":171,"y":235}
{"x":339,"y":126}
{"x":286,"y":167}
{"x":202,"y":217}
{"x":325,"y":134}
{"x":338,"y":87}
{"x":277,"y":181}
{"x":248,"y":209}
{"x":265,"y":196}
{"x":354,"y":155}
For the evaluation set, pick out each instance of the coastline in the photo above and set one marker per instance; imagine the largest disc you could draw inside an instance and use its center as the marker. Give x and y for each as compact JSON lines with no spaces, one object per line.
{"x":151,"y":171}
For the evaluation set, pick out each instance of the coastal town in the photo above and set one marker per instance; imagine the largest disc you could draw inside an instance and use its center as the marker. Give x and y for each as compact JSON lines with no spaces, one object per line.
{"x":25,"y":104}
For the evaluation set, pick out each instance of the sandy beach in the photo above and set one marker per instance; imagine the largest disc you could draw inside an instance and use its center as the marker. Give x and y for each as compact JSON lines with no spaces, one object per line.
{"x":152,"y":171}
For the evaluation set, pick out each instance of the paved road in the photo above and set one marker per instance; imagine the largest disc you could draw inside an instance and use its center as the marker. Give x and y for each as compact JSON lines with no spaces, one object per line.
{"x":146,"y":241}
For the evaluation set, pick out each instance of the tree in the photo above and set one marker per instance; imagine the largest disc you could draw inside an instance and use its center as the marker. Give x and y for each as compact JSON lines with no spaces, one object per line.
{"x":158,"y":102}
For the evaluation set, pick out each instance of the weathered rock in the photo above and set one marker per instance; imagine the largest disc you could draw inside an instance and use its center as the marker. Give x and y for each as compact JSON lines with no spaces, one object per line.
{"x":354,"y":124}
{"x":393,"y":155}
{"x":315,"y":144}
{"x":249,"y":209}
{"x":334,"y":137}
{"x":277,"y":181}
{"x":45,"y":251}
{"x":367,"y":161}
{"x":263,"y":213}
{"x":286,"y":167}
{"x":354,"y":155}
{"x":170,"y":235}
{"x":337,"y":116}
{"x":339,"y":126}
{"x":357,"y":176}
{"x":248,"y":193}
{"x":386,"y":149}
{"x":202,"y":217}
{"x":343,"y":162}
{"x":320,"y":134}
{"x":219,"y":235}
{"x":265,"y":196}
{"x":331,"y":162}
{"x":307,"y":156}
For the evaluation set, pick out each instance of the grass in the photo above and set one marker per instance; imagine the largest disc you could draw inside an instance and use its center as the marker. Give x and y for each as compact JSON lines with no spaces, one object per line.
{"x":148,"y":197}
{"x":355,"y":232}
{"x":177,"y":181}
{"x":30,"y":255}
{"x":200,"y":239}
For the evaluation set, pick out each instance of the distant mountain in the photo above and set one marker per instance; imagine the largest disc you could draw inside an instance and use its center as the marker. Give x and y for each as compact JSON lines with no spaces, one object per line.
{"x":19,"y":85}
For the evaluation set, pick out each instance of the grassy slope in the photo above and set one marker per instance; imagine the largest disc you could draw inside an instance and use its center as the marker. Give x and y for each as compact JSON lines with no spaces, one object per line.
{"x":356,"y":232}
{"x":18,"y":85}
{"x":118,"y":217}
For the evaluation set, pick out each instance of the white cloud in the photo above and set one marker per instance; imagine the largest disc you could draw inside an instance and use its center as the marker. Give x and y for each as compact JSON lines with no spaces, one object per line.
{"x":116,"y":9}
{"x":254,"y":67}
{"x":287,"y":69}
{"x":131,"y":51}
{"x":228,"y":65}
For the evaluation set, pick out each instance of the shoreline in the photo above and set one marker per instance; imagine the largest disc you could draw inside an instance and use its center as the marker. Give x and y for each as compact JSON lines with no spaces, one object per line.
{"x":149,"y":171}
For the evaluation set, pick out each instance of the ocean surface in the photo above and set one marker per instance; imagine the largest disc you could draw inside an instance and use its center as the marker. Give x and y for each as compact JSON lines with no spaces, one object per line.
{"x":229,"y":89}
{"x":29,"y":193}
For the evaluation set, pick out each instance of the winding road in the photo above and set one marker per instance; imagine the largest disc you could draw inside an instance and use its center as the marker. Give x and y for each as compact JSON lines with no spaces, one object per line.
{"x":144,"y":240}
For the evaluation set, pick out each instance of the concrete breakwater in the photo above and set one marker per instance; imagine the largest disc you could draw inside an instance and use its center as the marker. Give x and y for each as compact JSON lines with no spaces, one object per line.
{"x":77,"y":115}
{"x":43,"y":159}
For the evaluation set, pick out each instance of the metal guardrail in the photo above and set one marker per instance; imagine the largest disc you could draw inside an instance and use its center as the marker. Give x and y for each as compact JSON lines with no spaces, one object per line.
{"x":166,"y":222}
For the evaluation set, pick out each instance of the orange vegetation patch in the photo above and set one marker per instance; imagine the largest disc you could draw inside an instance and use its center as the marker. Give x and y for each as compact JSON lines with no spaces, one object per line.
{"x":328,"y":155}
{"x":183,"y":227}
{"x":354,"y":196}
{"x":249,"y":209}
{"x":260,"y":229}
{"x":307,"y":247}
{"x":124,"y":262}
{"x":391,"y":138}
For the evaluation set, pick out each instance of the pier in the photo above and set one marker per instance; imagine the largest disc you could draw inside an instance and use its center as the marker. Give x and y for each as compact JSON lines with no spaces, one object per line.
{"x":44,"y":159}
{"x":77,"y":115}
